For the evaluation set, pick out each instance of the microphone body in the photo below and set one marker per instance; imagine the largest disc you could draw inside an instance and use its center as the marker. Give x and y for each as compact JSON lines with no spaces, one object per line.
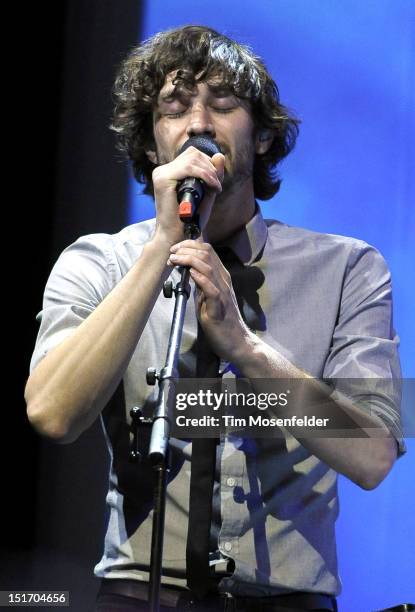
{"x":191,"y":190}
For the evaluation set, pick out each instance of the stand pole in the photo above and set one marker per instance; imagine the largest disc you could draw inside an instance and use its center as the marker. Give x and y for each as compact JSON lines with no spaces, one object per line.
{"x":160,"y":435}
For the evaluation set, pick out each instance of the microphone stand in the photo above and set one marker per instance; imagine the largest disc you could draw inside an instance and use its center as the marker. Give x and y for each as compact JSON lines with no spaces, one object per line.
{"x":161,"y":420}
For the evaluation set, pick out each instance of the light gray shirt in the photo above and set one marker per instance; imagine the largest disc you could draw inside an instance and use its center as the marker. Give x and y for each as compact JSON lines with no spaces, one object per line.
{"x":322,"y":300}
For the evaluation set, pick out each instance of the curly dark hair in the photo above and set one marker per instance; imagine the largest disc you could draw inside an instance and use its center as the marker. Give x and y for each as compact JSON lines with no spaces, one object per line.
{"x":201,"y":51}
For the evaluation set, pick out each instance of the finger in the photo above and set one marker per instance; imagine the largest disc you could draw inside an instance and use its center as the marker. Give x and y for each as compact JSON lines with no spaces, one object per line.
{"x":208,"y":296}
{"x":200,"y":163}
{"x":202,"y":250}
{"x":193,"y":262}
{"x":207,"y":173}
{"x":195,"y":253}
{"x":191,"y":244}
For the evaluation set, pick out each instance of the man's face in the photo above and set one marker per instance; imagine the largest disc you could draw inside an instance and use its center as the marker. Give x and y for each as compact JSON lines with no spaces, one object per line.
{"x":211,"y":109}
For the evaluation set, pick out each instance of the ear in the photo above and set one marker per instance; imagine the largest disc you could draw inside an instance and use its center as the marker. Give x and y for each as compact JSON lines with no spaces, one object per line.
{"x":152,"y":156}
{"x":263,"y":141}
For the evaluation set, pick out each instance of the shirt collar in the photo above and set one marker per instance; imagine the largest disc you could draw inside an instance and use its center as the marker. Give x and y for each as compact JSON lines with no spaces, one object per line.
{"x":248,"y":243}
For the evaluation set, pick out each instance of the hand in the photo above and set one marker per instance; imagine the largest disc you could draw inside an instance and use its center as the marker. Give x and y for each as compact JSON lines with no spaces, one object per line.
{"x":191,"y":162}
{"x":216,"y":304}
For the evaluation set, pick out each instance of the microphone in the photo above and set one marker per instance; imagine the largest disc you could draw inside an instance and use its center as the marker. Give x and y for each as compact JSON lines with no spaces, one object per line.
{"x":191,"y":190}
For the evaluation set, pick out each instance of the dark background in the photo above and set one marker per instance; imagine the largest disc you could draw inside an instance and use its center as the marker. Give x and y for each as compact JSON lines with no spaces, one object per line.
{"x":66,"y":180}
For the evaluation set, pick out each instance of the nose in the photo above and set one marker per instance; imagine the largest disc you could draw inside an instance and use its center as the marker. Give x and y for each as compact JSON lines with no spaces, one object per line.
{"x":200,"y":122}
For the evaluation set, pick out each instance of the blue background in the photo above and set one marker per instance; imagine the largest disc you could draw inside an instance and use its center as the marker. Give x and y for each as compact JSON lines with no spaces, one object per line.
{"x":346,"y":67}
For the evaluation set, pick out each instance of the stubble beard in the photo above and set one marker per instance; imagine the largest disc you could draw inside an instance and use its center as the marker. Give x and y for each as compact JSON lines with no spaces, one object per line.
{"x":240,"y":172}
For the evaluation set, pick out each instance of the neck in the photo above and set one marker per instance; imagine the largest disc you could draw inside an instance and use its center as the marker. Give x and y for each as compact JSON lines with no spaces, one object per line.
{"x":232,"y":210}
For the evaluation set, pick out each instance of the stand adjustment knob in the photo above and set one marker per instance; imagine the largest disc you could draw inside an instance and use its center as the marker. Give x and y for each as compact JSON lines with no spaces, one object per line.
{"x":136,"y":413}
{"x":151,"y":376}
{"x":168,"y":289}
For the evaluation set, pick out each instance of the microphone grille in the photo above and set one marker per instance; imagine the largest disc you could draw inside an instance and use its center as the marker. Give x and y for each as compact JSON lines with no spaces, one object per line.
{"x":204,"y":143}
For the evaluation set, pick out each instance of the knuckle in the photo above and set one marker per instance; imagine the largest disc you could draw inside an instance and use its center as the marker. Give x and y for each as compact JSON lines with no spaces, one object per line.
{"x":194,"y":153}
{"x":155,"y":174}
{"x":193,"y":169}
{"x":205,"y":175}
{"x":198,"y":153}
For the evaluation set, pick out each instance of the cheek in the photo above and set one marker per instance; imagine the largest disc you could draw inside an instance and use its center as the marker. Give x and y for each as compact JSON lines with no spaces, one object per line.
{"x":244,"y":145}
{"x":243,"y":134}
{"x":164,"y":139}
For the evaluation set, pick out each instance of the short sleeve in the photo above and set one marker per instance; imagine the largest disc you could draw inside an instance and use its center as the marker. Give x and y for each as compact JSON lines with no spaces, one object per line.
{"x":364,"y":357}
{"x":81,"y":278}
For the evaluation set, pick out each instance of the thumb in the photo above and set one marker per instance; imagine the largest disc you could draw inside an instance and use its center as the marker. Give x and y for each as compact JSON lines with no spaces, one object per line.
{"x":218,"y":160}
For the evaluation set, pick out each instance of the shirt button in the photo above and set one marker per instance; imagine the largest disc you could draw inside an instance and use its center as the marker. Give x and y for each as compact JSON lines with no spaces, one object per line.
{"x":227,"y":546}
{"x":231,"y":482}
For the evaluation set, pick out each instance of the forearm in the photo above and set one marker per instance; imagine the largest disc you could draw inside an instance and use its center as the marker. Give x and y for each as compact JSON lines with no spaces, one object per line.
{"x":71,"y":385}
{"x":365,"y":460}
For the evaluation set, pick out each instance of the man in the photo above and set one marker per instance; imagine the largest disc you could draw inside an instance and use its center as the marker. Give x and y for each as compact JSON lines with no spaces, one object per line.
{"x":294,"y":305}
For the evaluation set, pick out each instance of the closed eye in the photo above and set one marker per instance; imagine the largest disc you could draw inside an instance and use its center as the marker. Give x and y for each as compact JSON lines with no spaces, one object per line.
{"x":224,"y":110}
{"x":174,"y":115}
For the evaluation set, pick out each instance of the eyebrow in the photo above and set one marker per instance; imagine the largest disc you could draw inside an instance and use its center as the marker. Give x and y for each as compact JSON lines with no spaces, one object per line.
{"x":219,"y":90}
{"x":168,"y":95}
